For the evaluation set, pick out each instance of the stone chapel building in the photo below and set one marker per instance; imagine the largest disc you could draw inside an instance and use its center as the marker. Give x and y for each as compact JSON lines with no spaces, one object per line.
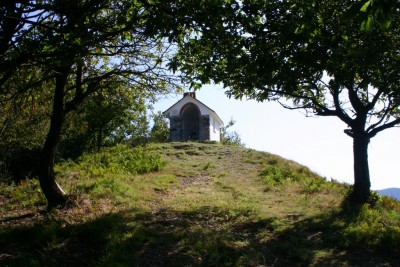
{"x":190,"y":119}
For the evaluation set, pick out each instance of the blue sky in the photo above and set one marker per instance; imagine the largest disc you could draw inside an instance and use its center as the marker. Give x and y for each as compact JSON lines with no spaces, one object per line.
{"x":316,"y":142}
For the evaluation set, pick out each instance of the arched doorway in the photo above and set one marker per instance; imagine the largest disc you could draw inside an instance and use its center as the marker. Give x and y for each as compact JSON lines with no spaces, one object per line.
{"x":190,"y":122}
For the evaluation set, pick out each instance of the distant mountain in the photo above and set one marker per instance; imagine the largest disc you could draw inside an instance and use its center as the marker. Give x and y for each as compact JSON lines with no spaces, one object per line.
{"x":390,"y":192}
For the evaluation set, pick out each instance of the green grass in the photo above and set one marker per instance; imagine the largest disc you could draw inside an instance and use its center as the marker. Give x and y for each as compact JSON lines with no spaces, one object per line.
{"x":194,"y":204}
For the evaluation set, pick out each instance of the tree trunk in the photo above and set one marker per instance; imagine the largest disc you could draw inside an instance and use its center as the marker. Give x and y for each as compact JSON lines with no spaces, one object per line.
{"x":362,"y":184}
{"x":54,"y":194}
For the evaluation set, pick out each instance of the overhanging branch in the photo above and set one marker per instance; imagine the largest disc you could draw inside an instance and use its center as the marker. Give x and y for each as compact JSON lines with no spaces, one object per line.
{"x":383,"y":127}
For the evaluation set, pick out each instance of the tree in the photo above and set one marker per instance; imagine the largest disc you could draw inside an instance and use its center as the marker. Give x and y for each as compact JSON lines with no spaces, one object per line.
{"x":229,"y":137}
{"x":381,"y":12}
{"x":84,"y":47}
{"x":326,"y":57}
{"x":107,"y":118}
{"x":23,"y":125}
{"x":160,"y":131}
{"x":13,"y":19}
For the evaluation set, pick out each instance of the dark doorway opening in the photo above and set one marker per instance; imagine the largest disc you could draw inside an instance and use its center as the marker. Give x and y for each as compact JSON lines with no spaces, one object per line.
{"x":190,"y":122}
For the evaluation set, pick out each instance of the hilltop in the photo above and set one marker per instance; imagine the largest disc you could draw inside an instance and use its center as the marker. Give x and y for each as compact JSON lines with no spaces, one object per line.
{"x":195,"y":204}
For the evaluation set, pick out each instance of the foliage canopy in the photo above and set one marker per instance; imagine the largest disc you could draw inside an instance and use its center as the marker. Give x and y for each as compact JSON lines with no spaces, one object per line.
{"x":326,"y":57}
{"x":78,"y":50}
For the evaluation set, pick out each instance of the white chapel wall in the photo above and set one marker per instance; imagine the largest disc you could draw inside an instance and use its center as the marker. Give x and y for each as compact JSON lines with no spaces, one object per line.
{"x":214,"y":130}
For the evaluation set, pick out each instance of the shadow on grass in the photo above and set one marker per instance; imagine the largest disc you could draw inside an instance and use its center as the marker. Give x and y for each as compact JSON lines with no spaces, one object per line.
{"x":204,"y":237}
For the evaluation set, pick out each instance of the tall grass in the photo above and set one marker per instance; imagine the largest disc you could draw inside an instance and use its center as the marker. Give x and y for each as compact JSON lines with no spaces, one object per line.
{"x":107,"y":173}
{"x":276,"y":174}
{"x":26,"y":194}
{"x":120,"y":159}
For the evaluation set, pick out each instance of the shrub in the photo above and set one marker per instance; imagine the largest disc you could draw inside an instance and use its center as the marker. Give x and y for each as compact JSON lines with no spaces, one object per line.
{"x":273,"y":175}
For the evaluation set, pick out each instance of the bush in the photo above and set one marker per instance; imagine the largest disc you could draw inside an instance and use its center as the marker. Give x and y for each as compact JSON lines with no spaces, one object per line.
{"x":273,"y":175}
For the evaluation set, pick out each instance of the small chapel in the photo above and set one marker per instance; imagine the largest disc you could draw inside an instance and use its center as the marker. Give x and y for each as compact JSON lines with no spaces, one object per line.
{"x":190,"y":119}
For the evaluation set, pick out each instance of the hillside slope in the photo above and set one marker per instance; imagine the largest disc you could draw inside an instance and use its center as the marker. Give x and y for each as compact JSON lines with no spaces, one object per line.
{"x":211,"y":205}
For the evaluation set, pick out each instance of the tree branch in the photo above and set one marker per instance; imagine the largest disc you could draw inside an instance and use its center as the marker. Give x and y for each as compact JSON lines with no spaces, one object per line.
{"x":383,"y":127}
{"x":340,"y":113}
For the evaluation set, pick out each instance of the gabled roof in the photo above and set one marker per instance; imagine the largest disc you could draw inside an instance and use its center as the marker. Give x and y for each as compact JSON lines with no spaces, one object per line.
{"x":195,"y":101}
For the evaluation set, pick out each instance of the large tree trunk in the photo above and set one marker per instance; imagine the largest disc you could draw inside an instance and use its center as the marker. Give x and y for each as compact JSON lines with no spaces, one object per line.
{"x":54,"y":194}
{"x":362,"y":184}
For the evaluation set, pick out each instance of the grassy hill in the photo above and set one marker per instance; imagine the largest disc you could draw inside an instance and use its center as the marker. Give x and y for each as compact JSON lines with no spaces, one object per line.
{"x":194,"y":204}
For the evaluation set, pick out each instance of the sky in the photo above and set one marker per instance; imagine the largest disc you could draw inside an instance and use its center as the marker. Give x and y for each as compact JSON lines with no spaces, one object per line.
{"x":316,"y":142}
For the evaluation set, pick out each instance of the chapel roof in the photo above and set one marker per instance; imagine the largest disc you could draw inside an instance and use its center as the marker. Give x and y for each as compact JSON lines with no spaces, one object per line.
{"x":192,"y":96}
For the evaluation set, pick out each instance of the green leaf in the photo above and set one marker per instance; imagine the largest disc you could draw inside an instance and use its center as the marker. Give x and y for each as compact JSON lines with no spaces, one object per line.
{"x":364,"y":8}
{"x":385,"y":24}
{"x":367,"y":24}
